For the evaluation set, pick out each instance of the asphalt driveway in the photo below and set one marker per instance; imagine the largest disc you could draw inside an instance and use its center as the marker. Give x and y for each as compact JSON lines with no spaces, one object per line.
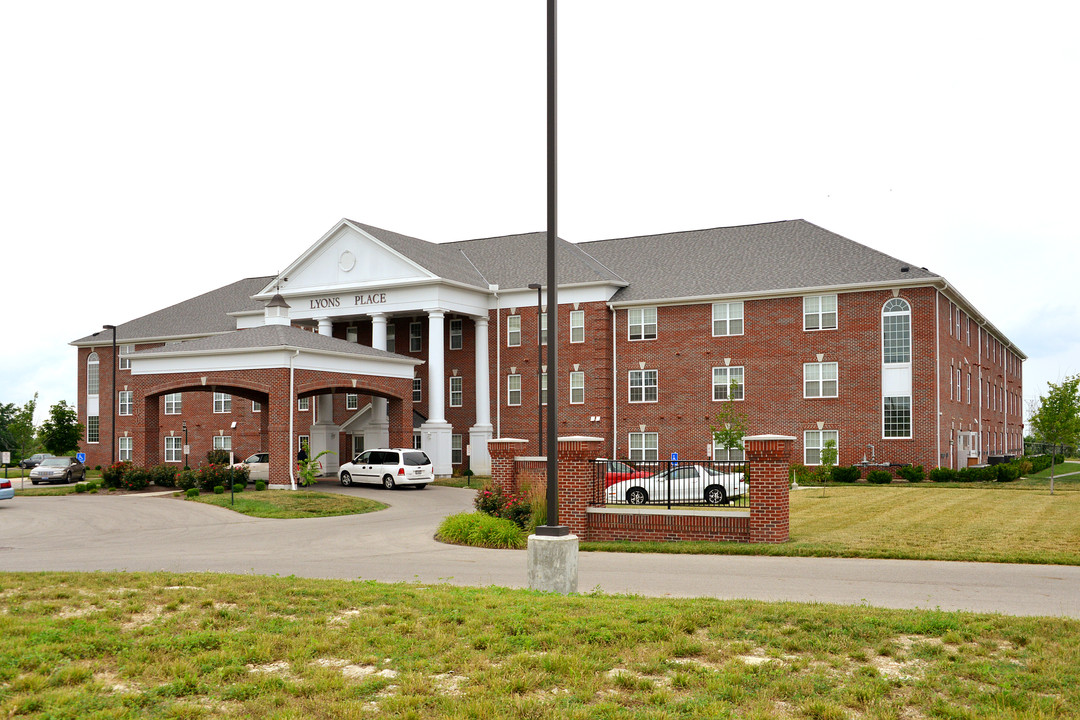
{"x":148,"y":533}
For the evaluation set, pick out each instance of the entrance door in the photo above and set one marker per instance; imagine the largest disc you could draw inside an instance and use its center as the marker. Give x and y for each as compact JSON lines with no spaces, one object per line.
{"x":357,"y":444}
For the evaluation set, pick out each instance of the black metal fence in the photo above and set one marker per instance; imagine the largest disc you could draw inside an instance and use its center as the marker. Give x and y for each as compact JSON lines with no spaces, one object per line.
{"x":666,"y":483}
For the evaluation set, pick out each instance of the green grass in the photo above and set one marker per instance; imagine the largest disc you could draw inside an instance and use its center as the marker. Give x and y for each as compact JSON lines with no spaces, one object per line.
{"x":480,"y":530}
{"x":284,"y":504}
{"x":163,"y":645}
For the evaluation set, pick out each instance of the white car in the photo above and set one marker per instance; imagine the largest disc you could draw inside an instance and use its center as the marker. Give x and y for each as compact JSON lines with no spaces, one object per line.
{"x":258,"y":466}
{"x":684,"y":483}
{"x":7,"y":492}
{"x":389,"y":467}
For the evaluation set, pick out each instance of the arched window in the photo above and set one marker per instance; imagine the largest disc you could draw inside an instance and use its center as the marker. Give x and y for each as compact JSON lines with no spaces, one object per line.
{"x":92,"y":364}
{"x":896,"y":331}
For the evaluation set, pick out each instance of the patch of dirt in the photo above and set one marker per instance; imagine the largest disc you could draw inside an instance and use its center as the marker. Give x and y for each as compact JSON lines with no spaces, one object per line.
{"x":139,"y":620}
{"x":448,"y":683}
{"x":279,"y":668}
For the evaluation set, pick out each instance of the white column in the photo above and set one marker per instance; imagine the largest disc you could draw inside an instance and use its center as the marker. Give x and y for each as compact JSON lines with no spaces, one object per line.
{"x":481,"y":432}
{"x":377,"y":430}
{"x":324,"y":433}
{"x":436,"y":432}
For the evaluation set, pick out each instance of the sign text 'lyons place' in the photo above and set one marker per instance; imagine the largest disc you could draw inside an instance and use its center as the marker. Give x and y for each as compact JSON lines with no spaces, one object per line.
{"x":358,"y":300}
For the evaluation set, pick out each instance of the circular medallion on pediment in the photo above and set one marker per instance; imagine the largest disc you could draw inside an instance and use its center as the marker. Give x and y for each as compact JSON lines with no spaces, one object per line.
{"x":347,"y":261}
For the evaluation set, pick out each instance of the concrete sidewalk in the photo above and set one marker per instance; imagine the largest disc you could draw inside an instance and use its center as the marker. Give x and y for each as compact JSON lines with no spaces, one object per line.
{"x":147,"y":533}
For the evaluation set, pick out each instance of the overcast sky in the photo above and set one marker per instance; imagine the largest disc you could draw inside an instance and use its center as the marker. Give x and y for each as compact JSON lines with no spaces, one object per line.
{"x":154,"y":151}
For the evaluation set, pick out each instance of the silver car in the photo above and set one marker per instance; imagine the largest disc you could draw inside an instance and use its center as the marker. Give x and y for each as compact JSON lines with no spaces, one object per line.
{"x":687,"y":483}
{"x":389,"y":467}
{"x":258,"y":466}
{"x":7,"y":492}
{"x":58,"y":469}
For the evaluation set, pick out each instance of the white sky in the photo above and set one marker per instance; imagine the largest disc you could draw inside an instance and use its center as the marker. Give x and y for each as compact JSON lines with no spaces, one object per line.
{"x":154,"y":151}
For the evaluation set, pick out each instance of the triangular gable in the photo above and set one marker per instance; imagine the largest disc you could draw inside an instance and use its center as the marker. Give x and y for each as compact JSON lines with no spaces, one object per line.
{"x":346,"y":256}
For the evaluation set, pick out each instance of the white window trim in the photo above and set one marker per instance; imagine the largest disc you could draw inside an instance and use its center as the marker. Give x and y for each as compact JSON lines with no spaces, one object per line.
{"x":510,"y":331}
{"x":460,"y":391}
{"x":125,"y":445}
{"x":391,"y":337}
{"x":728,"y":318}
{"x":178,"y":448}
{"x":542,"y":331}
{"x":630,"y":324}
{"x":911,"y":419}
{"x":225,"y":400}
{"x":457,"y":331}
{"x":835,"y":311}
{"x":644,"y":449}
{"x":580,"y":316}
{"x":580,"y":377}
{"x":220,"y":442}
{"x":124,"y":361}
{"x":629,"y":386}
{"x":821,"y":381}
{"x":819,"y":448}
{"x":418,"y":336}
{"x":543,"y":388}
{"x":352,"y":401}
{"x":303,"y":404}
{"x":457,"y":450}
{"x":417,"y":389}
{"x":121,"y":404}
{"x":94,"y":361}
{"x":256,"y":406}
{"x":510,"y":391}
{"x":741,"y":383}
{"x":177,"y":405}
{"x":97,"y":427}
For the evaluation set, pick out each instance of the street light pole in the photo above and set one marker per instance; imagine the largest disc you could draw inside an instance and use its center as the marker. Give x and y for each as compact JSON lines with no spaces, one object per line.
{"x":112,"y":400}
{"x":539,"y":367}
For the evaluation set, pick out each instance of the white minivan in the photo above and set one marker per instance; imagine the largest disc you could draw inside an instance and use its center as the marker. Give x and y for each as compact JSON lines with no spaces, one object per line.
{"x":389,"y":467}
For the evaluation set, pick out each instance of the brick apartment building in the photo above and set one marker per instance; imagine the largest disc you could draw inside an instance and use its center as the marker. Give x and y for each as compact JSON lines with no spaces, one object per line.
{"x":371,"y":338}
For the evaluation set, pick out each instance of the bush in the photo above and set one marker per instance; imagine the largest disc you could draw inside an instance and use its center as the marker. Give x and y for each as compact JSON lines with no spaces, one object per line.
{"x":800,"y":473}
{"x":238,"y":487}
{"x":187,"y":479}
{"x":164,"y":475}
{"x":135,"y":478}
{"x":481,"y":530}
{"x":80,"y":487}
{"x":1007,"y":472}
{"x":912,"y":473}
{"x":987,"y":473}
{"x":848,"y":474}
{"x":1023,"y":466}
{"x":240,"y":475}
{"x":879,"y":477}
{"x":114,"y":474}
{"x":210,"y":476}
{"x":192,"y":492}
{"x":217,"y":457}
{"x":219,"y":490}
{"x":515,"y":508}
{"x":260,"y":486}
{"x":942,"y":474}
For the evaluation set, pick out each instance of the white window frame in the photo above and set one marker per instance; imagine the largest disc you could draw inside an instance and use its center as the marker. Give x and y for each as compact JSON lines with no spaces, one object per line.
{"x":125,"y":402}
{"x":642,"y":382}
{"x":174,"y":449}
{"x":641,"y":319}
{"x":93,"y":429}
{"x":721,"y":382}
{"x":301,"y":441}
{"x":644,"y":446}
{"x":174,"y":403}
{"x":457,"y":456}
{"x":125,"y":448}
{"x":124,"y":361}
{"x":223,"y":442}
{"x":577,"y":326}
{"x":256,"y":406}
{"x":303,"y":404}
{"x":417,"y":389}
{"x":352,"y":401}
{"x":885,"y":419}
{"x":457,"y":394}
{"x":93,"y":374}
{"x":722,"y":454}
{"x":577,"y":388}
{"x":457,"y":335}
{"x":890,"y":351}
{"x":819,"y":312}
{"x":725,"y":316}
{"x":352,"y":334}
{"x":222,"y":403}
{"x":820,"y":370}
{"x":543,"y":389}
{"x":416,"y":337}
{"x":391,"y":337}
{"x":513,"y":331}
{"x":820,"y":438}
{"x":542,"y":331}
{"x":513,"y":390}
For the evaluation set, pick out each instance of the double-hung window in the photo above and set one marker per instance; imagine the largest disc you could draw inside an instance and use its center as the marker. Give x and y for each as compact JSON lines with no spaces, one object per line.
{"x":642,"y":323}
{"x":126,"y":445}
{"x":819,"y":312}
{"x":513,"y":389}
{"x":93,"y":364}
{"x":391,"y":337}
{"x":727,"y":383}
{"x":643,"y":386}
{"x":125,"y":402}
{"x":814,"y":442}
{"x":416,"y":342}
{"x":577,"y":326}
{"x":820,"y":380}
{"x":222,"y":402}
{"x":223,"y":442}
{"x":93,"y":429}
{"x":303,"y":404}
{"x":455,"y":450}
{"x":727,"y":318}
{"x":174,"y":403}
{"x":513,"y":331}
{"x":352,"y":401}
{"x":417,"y":390}
{"x":543,"y":389}
{"x":455,"y":335}
{"x":897,"y":417}
{"x":256,"y":406}
{"x":123,"y":351}
{"x":173,"y":448}
{"x":577,"y":388}
{"x":543,"y":329}
{"x":644,"y":446}
{"x":735,"y":454}
{"x":456,"y":390}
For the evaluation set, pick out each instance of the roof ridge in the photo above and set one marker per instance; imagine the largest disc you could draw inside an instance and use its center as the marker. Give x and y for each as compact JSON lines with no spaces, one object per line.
{"x":705,"y":229}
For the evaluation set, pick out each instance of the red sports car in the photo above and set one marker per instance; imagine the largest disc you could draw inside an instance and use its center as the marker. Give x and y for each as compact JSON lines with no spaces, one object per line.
{"x":616,"y":471}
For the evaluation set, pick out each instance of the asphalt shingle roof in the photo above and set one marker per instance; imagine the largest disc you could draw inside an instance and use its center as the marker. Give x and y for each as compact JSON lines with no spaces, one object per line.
{"x":272,"y":336}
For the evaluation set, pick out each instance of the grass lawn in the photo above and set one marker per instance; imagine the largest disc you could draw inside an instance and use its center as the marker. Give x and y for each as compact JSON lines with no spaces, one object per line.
{"x":165,"y":645}
{"x":291,"y":503}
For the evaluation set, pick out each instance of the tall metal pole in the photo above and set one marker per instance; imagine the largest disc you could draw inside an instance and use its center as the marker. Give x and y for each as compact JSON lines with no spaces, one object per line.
{"x":552,"y":527}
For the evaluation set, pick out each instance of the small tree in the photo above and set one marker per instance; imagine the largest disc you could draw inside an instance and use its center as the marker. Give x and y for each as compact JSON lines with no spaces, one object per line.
{"x":60,"y":433}
{"x":309,"y":466}
{"x":731,"y":424}
{"x":21,"y":428}
{"x":828,"y":459}
{"x":1056,"y":417}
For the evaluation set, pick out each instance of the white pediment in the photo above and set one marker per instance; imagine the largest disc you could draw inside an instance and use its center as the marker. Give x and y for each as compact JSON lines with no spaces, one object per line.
{"x":346,"y":257}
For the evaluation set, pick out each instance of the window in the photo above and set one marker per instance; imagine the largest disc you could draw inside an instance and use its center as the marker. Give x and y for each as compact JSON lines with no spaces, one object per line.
{"x":125,"y":446}
{"x":174,"y":403}
{"x":727,"y":383}
{"x":543,"y":328}
{"x":513,"y":331}
{"x":643,"y":386}
{"x":92,"y":429}
{"x":123,"y":351}
{"x":896,"y":331}
{"x":897,"y":417}
{"x":126,"y":399}
{"x":543,"y":389}
{"x":173,"y":449}
{"x":820,"y":380}
{"x":969,"y":388}
{"x":92,"y":365}
{"x":455,"y":450}
{"x":819,"y":312}
{"x":957,"y":323}
{"x":642,"y":323}
{"x":223,"y":442}
{"x":577,"y":388}
{"x":417,"y":390}
{"x":513,"y":389}
{"x":577,"y":326}
{"x":352,"y":401}
{"x":643,"y":446}
{"x":256,"y":406}
{"x":455,"y":335}
{"x":303,"y":404}
{"x":957,"y":384}
{"x":416,"y":343}
{"x":303,"y":441}
{"x":222,"y":402}
{"x":391,"y":337}
{"x":456,"y":391}
{"x":352,"y":334}
{"x":735,"y":454}
{"x":814,"y":442}
{"x":727,"y":319}
{"x":969,"y":330}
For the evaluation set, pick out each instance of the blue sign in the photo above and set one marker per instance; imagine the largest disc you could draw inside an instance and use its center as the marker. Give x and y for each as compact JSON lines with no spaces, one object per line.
{"x":674,"y":459}
{"x":81,"y":457}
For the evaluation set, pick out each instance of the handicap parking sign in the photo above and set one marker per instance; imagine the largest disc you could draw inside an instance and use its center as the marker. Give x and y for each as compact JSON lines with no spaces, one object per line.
{"x":81,"y":457}
{"x":674,"y":458}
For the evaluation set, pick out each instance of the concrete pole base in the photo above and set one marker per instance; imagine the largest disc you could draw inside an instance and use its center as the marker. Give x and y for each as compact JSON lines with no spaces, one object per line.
{"x":553,"y":563}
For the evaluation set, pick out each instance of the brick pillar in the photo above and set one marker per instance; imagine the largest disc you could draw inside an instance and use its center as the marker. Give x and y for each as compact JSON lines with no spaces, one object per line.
{"x":400,"y":417}
{"x":503,"y":472}
{"x":145,"y":433}
{"x":770,"y":459}
{"x":279,"y":404}
{"x":576,"y":473}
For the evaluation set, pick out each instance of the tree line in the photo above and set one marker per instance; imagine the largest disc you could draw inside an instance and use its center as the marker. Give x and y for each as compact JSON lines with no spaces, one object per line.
{"x":59,"y":434}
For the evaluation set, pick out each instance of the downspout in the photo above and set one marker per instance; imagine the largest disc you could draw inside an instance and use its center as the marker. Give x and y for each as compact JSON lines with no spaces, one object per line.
{"x":498,"y":362}
{"x":937,"y":371}
{"x":292,"y":390}
{"x":614,"y":387}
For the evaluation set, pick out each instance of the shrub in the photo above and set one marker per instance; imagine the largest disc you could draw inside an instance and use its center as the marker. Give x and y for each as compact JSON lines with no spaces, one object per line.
{"x":240,"y":475}
{"x":879,"y":477}
{"x":912,"y":473}
{"x":1023,"y":466}
{"x":260,"y":486}
{"x":847,"y":474}
{"x":80,"y":487}
{"x":515,"y":508}
{"x":217,"y":457}
{"x":219,"y":490}
{"x":238,"y":487}
{"x":800,"y":473}
{"x":192,"y":492}
{"x":1007,"y":472}
{"x":113,"y":474}
{"x":942,"y":474}
{"x":480,"y":530}
{"x":186,"y":480}
{"x":164,"y":475}
{"x":210,"y":476}
{"x":97,"y":467}
{"x":135,"y":478}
